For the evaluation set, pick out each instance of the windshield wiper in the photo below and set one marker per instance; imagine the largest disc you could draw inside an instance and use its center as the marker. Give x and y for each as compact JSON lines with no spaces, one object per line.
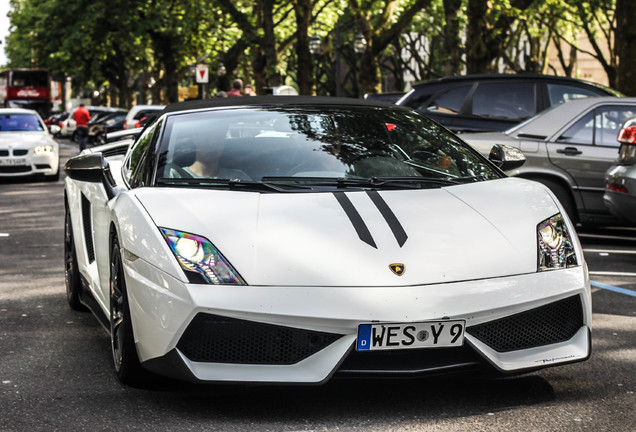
{"x":231,"y":184}
{"x":414,"y":181}
{"x":372,"y":182}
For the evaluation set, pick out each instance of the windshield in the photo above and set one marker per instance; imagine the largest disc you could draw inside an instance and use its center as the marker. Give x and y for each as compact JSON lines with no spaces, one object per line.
{"x":19,"y":123}
{"x":337,"y":146}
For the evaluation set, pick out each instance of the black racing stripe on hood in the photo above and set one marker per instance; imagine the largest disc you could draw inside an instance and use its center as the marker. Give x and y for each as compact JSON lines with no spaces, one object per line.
{"x":356,"y":220}
{"x":389,"y":217}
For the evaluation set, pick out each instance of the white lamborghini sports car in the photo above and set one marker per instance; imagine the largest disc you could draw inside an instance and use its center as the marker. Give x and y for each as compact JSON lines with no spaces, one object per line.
{"x":293,"y":239}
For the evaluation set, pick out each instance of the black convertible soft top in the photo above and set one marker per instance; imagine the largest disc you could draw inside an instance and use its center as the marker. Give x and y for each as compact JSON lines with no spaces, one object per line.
{"x":270,"y":101}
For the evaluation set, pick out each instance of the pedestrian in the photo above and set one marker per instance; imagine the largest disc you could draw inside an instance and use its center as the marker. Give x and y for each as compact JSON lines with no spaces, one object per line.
{"x":249,"y":90}
{"x":81,"y":117}
{"x":237,"y":86}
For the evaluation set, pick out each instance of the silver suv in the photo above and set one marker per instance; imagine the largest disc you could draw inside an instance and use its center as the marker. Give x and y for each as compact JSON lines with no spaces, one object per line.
{"x":568,"y":148}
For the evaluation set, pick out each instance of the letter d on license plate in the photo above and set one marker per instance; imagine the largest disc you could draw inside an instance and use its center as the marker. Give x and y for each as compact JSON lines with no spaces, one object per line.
{"x":394,"y":336}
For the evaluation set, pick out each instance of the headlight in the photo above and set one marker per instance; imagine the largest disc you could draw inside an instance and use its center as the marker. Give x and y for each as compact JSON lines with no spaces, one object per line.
{"x":43,"y":149}
{"x":198,"y":256}
{"x":555,"y":245}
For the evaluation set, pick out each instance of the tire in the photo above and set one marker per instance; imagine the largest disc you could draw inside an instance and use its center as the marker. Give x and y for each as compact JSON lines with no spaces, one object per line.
{"x":71,"y":272}
{"x":564,"y":196}
{"x":126,"y":361}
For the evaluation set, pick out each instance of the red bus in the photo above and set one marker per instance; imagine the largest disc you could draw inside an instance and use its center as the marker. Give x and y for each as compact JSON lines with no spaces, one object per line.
{"x":26,"y":88}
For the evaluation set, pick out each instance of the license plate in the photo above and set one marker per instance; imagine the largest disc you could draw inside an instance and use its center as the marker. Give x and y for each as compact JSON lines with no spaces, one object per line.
{"x":395,"y":336}
{"x":13,"y":162}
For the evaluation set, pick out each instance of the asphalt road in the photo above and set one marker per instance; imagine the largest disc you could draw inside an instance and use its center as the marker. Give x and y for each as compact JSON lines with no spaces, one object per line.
{"x":56,"y":370}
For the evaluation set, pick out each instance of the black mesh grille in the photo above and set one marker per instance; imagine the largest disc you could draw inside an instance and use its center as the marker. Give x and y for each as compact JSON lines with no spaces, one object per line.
{"x":212,"y":338}
{"x":88,"y":228}
{"x":15,"y":169}
{"x":553,"y":323}
{"x":20,"y":152}
{"x":4,"y":152}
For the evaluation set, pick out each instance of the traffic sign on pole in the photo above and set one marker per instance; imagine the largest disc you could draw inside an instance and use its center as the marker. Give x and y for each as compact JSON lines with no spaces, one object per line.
{"x":202,"y":75}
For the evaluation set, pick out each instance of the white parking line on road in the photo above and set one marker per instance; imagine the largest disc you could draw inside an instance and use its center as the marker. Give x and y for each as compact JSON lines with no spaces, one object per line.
{"x":4,"y":234}
{"x":610,"y":251}
{"x":604,"y":273}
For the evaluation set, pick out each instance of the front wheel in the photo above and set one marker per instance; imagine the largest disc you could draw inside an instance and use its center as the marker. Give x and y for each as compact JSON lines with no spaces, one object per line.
{"x":127,"y":366}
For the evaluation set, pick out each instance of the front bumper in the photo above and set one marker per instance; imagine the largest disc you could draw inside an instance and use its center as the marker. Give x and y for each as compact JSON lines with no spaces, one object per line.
{"x":307,"y":334}
{"x":41,"y":164}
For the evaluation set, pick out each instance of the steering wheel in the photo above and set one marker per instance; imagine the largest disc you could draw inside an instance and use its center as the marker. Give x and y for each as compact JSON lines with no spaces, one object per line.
{"x":179,"y":170}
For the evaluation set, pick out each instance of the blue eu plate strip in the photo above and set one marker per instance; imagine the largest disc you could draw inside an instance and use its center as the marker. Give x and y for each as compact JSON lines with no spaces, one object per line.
{"x":613,"y":288}
{"x":364,"y":337}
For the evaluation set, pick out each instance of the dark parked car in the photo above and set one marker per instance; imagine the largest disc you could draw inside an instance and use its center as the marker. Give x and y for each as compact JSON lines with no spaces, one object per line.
{"x":105,"y":123}
{"x":480,"y":103}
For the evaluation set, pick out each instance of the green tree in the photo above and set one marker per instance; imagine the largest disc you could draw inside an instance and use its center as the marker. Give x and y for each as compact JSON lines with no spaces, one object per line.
{"x":380,"y":22}
{"x":488,"y":28}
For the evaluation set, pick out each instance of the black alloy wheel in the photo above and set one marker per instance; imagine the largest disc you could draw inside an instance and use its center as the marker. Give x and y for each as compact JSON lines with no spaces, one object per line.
{"x":127,"y":366}
{"x":71,"y":272}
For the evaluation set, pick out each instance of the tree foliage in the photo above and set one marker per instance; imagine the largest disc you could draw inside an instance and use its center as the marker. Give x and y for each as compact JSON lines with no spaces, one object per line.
{"x":134,"y":50}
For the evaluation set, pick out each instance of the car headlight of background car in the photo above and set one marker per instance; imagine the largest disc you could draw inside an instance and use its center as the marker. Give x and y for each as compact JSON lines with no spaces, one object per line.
{"x":200,"y":259}
{"x":43,"y":150}
{"x":556,"y":250}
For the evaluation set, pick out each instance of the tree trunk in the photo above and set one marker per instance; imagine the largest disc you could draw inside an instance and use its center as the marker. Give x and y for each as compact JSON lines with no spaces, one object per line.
{"x":272,"y":75}
{"x":485,"y":41}
{"x":452,"y":41}
{"x":304,"y":78}
{"x":172,"y":80}
{"x":476,"y":44}
{"x":163,"y":47}
{"x":379,"y":36}
{"x":626,"y":47}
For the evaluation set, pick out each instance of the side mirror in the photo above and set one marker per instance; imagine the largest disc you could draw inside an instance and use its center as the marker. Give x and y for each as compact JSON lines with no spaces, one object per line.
{"x":92,"y":168}
{"x":506,"y":157}
{"x":55,"y":129}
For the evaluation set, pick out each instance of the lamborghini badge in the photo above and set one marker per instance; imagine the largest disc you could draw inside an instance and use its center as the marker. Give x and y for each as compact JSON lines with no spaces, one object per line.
{"x":397,"y":268}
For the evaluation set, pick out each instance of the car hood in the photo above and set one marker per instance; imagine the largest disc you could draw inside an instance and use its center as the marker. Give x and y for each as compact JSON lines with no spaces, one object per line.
{"x":24,"y":140}
{"x":473,"y":231}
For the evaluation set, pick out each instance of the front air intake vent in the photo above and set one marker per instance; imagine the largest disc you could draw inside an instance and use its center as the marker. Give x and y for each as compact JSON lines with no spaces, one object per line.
{"x":88,"y":228}
{"x":545,"y":325}
{"x":218,"y":339}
